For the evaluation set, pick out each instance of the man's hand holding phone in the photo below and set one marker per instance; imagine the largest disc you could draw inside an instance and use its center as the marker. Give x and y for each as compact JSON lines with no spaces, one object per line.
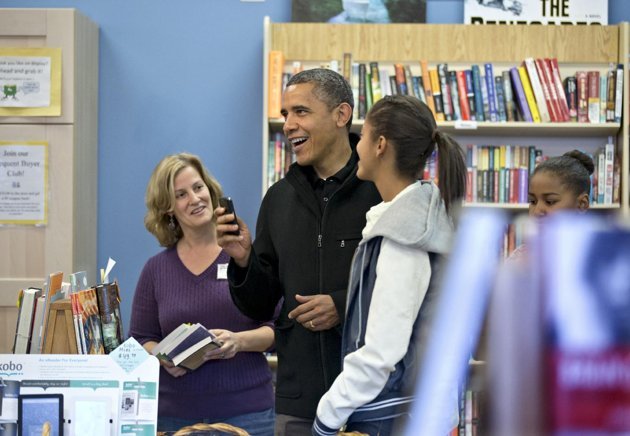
{"x":232,"y":233}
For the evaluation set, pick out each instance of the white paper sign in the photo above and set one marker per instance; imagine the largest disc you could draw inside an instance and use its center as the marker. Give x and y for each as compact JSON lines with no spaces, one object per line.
{"x":23,"y":182}
{"x":536,"y":12}
{"x":24,"y":81}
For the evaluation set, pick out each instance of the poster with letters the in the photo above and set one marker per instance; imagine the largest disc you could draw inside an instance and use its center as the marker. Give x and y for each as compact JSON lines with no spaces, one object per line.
{"x":564,"y":12}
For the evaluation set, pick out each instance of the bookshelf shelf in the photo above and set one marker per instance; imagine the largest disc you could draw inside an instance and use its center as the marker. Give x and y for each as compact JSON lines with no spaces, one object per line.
{"x":575,"y":47}
{"x":510,"y":128}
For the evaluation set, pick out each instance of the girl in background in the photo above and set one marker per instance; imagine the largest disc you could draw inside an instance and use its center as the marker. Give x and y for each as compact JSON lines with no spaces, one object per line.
{"x":561,"y":182}
{"x":391,"y":281}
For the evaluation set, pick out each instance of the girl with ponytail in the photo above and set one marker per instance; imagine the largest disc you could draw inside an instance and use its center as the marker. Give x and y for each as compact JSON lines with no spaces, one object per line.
{"x":391,"y":287}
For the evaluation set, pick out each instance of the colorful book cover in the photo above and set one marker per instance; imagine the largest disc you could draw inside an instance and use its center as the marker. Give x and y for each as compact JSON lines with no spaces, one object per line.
{"x":428,"y":89}
{"x":585,"y":281}
{"x":529,"y":95}
{"x":87,"y":306}
{"x":109,"y":311}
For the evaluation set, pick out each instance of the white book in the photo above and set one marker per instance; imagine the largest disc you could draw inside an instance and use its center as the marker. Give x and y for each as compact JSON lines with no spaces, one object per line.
{"x":539,"y":94}
{"x":601,"y":175}
{"x":25,"y":320}
{"x":609,"y":172}
{"x":618,"y":93}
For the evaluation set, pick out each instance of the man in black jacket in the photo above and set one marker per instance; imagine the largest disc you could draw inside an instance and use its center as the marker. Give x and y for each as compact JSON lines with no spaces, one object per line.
{"x":309,"y":225}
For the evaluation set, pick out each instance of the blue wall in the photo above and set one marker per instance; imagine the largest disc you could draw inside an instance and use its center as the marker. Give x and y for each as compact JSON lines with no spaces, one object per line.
{"x":184,"y":76}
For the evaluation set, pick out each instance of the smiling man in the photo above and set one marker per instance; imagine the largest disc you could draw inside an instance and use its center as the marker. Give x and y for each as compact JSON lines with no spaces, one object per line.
{"x":309,"y":225}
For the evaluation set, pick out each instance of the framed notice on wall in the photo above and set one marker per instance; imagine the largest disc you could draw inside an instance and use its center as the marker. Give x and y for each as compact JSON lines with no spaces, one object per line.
{"x":536,"y":12}
{"x":30,"y":81}
{"x":24,"y":182}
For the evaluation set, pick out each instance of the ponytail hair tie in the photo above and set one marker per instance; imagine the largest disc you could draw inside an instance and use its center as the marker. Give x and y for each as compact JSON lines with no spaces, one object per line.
{"x":435,"y":135}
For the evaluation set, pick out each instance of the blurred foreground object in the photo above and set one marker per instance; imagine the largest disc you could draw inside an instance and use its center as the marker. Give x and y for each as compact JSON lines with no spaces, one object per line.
{"x":559,"y":351}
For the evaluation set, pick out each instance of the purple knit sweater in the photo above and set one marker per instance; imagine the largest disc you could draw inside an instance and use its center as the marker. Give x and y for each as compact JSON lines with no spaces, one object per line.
{"x":167,"y":295}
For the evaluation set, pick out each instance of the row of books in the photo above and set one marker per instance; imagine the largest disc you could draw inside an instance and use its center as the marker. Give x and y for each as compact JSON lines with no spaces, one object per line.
{"x":533,"y":91}
{"x":95,"y":311}
{"x":496,"y":173}
{"x":279,"y":158}
{"x":500,"y":173}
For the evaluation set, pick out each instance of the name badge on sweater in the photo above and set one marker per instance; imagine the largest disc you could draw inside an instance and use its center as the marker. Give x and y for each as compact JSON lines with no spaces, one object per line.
{"x":222,"y":271}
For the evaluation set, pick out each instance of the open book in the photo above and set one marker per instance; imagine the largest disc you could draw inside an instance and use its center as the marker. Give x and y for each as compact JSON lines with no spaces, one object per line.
{"x":186,"y":345}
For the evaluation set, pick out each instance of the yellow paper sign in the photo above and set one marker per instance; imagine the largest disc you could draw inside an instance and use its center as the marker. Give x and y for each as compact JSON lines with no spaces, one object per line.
{"x":30,"y":81}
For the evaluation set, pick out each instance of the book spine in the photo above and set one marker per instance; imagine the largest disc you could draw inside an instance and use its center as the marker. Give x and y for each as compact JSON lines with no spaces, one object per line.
{"x":508,"y":96}
{"x":521,"y":99}
{"x":610,"y":165}
{"x":582,"y":96}
{"x":276,"y":68}
{"x":401,"y":82}
{"x":539,"y":96}
{"x":476,"y":80}
{"x":362,"y":92}
{"x":501,"y":109}
{"x":603,"y":94}
{"x":570,"y":86}
{"x":77,"y":326}
{"x":460,"y":77}
{"x":428,"y":88}
{"x":442,"y":70}
{"x":437,"y":95}
{"x":385,"y":85}
{"x":610,"y":95}
{"x":557,"y":81}
{"x":452,"y":79}
{"x":368,"y":90}
{"x":619,"y":93}
{"x":418,"y":89}
{"x":470,"y":92}
{"x":347,"y":66}
{"x":376,"y":82}
{"x":593,"y":96}
{"x":601,"y":176}
{"x":529,"y":94}
{"x":354,"y":84}
{"x":409,"y":81}
{"x":554,"y":104}
{"x":492,"y":96}
{"x":393,"y":85}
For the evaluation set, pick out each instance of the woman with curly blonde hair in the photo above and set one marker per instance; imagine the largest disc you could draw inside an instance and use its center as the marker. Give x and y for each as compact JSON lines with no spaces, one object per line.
{"x":187,"y":283}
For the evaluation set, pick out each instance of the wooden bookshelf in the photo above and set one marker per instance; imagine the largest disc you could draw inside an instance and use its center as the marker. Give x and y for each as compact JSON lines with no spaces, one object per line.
{"x":68,"y":241}
{"x":459,"y":45}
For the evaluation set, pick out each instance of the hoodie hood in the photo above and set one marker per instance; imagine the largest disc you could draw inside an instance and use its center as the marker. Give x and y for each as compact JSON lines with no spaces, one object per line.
{"x":416,"y":217}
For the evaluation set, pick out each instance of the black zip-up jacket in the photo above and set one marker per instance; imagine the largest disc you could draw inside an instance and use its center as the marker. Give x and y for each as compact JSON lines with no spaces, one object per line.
{"x":301,"y":250}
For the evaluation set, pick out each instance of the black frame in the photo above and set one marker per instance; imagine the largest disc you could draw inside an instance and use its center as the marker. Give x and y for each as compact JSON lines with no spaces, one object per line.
{"x":23,"y":398}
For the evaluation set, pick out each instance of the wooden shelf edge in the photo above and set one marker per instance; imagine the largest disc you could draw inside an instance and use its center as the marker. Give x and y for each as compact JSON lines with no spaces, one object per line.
{"x":512,"y":128}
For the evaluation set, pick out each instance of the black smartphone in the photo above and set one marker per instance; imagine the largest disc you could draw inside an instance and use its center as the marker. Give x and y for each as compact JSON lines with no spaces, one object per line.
{"x":228,"y":205}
